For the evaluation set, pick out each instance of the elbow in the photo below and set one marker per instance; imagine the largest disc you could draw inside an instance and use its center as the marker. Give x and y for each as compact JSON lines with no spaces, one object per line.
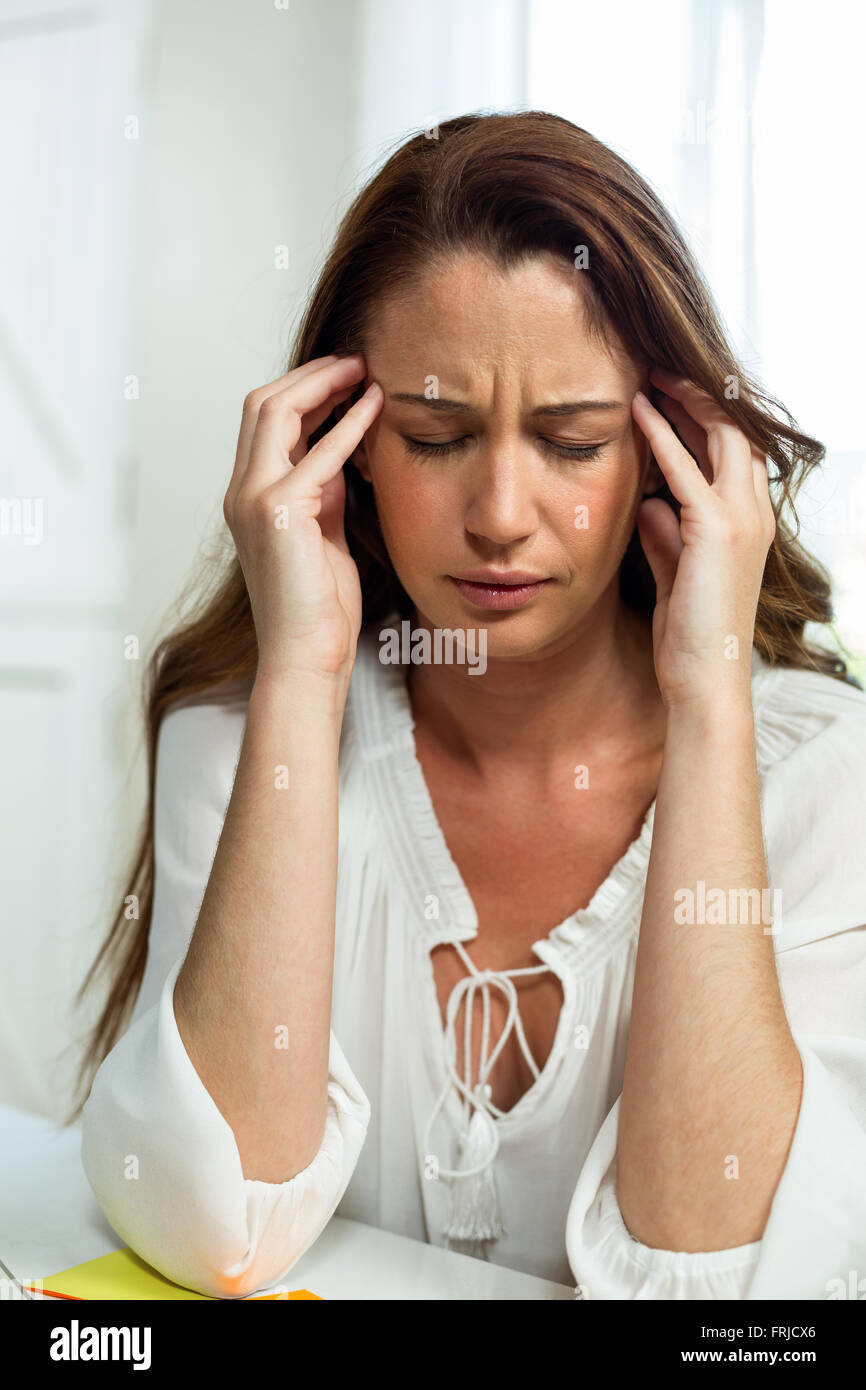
{"x":187,"y":1210}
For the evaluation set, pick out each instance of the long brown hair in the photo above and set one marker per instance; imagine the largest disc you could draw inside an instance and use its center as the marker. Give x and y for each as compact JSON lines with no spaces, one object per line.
{"x":505,"y":186}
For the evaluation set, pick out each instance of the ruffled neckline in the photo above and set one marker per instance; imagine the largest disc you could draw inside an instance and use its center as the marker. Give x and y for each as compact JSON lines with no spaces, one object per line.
{"x":443,"y":909}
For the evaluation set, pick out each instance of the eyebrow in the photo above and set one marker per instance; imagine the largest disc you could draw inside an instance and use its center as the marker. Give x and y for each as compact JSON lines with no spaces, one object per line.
{"x":562,"y":408}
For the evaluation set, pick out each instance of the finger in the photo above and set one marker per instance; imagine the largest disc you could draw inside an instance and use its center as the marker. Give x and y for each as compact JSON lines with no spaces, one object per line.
{"x":332,"y":511}
{"x":761,"y":476}
{"x":659,"y":532}
{"x":328,"y":456}
{"x":253,"y":400}
{"x":682,"y":474}
{"x":280,"y":420}
{"x":728,"y":450}
{"x":250,"y":415}
{"x":314,"y":418}
{"x":691,"y":434}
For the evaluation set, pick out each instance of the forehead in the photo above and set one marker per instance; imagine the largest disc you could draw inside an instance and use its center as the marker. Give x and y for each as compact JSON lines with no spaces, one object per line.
{"x":469,"y":320}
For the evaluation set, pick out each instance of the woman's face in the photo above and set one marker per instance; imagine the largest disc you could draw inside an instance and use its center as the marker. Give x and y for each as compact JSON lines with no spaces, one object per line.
{"x":487,"y":356}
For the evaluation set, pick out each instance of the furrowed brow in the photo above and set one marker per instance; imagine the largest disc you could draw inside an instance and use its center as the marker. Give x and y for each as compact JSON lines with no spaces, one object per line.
{"x":432,"y":403}
{"x":577,"y":407}
{"x":559,"y":410}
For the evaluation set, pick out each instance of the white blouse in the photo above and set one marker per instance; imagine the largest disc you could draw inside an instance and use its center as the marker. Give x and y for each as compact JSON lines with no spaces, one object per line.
{"x":537,"y":1191}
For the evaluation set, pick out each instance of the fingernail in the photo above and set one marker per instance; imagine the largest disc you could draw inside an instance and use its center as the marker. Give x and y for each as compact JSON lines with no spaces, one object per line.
{"x":639,"y":396}
{"x":373,"y":389}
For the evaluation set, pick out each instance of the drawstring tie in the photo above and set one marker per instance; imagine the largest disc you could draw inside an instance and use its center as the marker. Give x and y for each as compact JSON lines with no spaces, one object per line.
{"x":474,"y":1212}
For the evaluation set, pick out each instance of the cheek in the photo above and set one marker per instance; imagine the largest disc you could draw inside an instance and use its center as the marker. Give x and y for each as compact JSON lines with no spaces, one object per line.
{"x":415,"y":506}
{"x":594,"y":515}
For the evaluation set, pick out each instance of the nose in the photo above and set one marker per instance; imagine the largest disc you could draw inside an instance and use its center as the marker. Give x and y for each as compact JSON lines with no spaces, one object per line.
{"x":501,"y":506}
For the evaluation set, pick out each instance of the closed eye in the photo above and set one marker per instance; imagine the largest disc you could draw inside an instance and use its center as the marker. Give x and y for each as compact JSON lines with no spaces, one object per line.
{"x":439,"y":447}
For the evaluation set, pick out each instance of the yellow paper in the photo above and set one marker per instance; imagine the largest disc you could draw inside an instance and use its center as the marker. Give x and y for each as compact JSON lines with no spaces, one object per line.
{"x":124,"y":1275}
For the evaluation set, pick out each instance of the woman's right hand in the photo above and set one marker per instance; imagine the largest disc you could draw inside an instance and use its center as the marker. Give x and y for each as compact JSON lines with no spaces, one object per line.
{"x":285,"y":506}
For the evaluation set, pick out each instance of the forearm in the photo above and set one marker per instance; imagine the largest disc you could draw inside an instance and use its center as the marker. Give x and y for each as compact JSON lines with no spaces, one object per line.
{"x":713,"y":1078}
{"x":253,"y":998}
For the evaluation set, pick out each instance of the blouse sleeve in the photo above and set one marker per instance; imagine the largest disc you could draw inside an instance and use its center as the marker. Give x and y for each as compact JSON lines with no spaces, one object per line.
{"x":159,"y":1155}
{"x":813,"y":1245}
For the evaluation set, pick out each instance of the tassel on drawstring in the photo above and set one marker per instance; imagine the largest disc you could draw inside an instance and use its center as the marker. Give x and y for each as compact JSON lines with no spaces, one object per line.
{"x":474,"y":1214}
{"x":473,"y":1220}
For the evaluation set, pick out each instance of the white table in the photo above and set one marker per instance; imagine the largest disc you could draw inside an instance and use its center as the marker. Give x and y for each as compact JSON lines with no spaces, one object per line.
{"x":50,"y":1220}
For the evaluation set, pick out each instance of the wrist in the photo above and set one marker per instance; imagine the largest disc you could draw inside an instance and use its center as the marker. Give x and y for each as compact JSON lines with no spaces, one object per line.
{"x":295,"y":691}
{"x":726,"y":712}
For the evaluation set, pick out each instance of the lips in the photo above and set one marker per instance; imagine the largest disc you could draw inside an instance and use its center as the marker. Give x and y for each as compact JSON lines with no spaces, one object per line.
{"x":500,"y":579}
{"x":495,"y":592}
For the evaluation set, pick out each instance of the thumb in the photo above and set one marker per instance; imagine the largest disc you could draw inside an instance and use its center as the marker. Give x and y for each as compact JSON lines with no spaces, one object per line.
{"x":659,"y":532}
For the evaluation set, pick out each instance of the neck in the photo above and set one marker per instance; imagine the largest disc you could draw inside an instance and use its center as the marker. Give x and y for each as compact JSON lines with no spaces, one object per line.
{"x":599,"y":679}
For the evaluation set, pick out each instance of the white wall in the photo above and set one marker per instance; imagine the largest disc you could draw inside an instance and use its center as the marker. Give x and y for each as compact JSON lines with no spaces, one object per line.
{"x":68,"y":78}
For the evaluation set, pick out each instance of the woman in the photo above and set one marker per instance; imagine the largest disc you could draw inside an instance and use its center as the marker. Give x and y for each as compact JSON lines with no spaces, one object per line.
{"x":589,"y":908}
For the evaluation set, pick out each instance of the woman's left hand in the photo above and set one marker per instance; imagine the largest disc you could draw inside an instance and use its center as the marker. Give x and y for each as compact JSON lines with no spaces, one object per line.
{"x":709,"y":565}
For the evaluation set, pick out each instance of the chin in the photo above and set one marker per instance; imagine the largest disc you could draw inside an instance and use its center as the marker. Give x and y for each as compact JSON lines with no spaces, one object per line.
{"x":519,"y":635}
